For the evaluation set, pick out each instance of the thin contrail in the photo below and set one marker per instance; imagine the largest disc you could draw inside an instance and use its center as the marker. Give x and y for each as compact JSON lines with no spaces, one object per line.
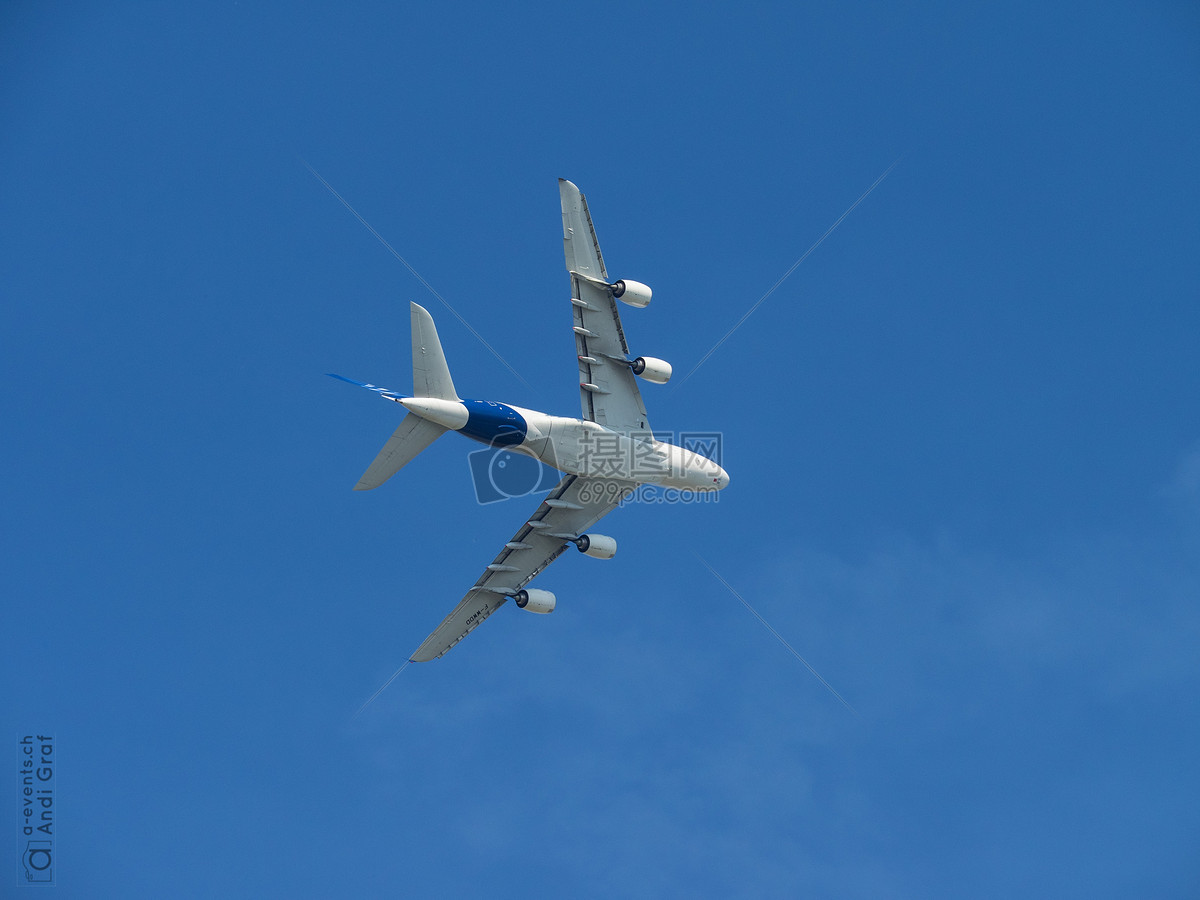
{"x":779,"y":637}
{"x":785,"y":275}
{"x":417,"y":275}
{"x":381,"y":690}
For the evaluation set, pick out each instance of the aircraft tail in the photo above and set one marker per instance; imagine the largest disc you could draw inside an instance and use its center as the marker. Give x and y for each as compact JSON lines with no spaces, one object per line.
{"x":431,"y":375}
{"x":431,"y":380}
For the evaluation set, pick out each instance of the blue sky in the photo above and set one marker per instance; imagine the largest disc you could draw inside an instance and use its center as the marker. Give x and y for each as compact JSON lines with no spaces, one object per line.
{"x":964,"y":441}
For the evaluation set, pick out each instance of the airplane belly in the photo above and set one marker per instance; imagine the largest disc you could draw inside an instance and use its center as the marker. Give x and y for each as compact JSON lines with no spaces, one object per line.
{"x":562,"y":448}
{"x":593,"y":451}
{"x":496,"y":424}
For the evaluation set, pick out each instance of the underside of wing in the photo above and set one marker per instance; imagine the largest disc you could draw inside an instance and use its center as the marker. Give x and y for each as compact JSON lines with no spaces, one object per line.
{"x":573,"y":506}
{"x":608,"y":389}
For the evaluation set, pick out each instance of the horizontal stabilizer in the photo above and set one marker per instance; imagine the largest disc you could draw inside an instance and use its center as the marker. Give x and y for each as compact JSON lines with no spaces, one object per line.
{"x":413,"y":436}
{"x":381,"y":391}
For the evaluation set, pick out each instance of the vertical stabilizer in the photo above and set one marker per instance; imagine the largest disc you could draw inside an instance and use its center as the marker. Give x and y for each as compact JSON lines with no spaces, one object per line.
{"x":431,"y":375}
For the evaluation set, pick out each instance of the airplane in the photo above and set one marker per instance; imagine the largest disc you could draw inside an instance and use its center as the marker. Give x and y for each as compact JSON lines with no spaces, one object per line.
{"x":604,"y":455}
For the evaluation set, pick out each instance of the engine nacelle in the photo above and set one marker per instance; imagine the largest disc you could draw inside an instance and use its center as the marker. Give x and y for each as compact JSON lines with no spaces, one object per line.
{"x":599,"y":546}
{"x":535,"y":601}
{"x":632,"y":292}
{"x":656,"y":371}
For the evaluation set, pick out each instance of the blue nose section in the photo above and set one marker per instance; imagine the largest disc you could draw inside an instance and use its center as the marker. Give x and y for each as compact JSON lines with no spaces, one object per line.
{"x":494,"y":423}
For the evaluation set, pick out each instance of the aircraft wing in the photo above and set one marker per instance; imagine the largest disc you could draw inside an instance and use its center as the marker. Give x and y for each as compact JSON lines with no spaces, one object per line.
{"x":574,"y":505}
{"x":608,"y":390}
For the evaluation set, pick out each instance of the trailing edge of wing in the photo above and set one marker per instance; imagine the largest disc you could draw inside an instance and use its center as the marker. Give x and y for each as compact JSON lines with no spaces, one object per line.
{"x":413,"y":436}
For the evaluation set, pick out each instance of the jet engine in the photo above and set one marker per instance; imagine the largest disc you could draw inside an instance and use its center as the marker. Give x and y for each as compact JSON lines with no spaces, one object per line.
{"x":656,"y":371}
{"x":535,"y":601}
{"x":632,"y":292}
{"x":599,"y":546}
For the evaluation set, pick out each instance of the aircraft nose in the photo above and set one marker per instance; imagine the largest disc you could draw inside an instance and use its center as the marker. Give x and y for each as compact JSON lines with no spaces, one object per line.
{"x":722,"y":480}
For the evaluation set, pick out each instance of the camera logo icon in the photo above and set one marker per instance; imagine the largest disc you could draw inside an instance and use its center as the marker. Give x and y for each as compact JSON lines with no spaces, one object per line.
{"x":37,"y":862}
{"x":498,"y":473}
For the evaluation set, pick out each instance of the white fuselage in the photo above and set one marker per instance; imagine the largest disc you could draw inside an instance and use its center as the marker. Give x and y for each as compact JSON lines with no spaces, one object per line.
{"x":574,"y":446}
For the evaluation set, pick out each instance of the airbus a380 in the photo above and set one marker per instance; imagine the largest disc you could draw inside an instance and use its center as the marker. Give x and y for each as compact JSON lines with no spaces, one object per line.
{"x":604,"y":455}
